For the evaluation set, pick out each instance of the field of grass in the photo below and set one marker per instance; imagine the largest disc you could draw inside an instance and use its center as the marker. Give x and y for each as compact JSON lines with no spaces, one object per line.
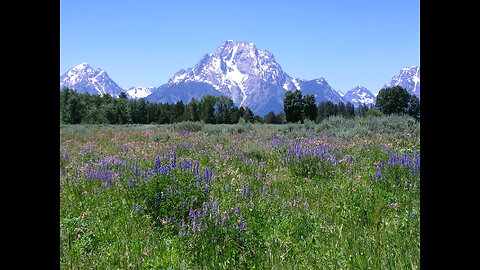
{"x":343,"y":194}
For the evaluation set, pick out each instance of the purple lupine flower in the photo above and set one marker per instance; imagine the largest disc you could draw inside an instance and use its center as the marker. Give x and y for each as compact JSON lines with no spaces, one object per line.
{"x":135,"y":169}
{"x":244,"y":227}
{"x":158,"y":164}
{"x":182,"y":224}
{"x":191,"y":213}
{"x":169,"y":191}
{"x":196,"y":167}
{"x":186,"y":164}
{"x":137,"y":208}
{"x":227,"y":188}
{"x":261,"y":190}
{"x":216,"y":206}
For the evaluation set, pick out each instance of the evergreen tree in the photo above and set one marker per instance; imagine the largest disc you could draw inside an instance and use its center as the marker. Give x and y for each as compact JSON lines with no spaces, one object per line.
{"x":393,"y":100}
{"x":193,"y":110}
{"x":413,"y":108}
{"x":362,"y":109}
{"x":234,"y":115}
{"x":320,"y":112}
{"x":329,"y":109}
{"x":178,"y":111}
{"x":309,"y":107}
{"x":293,"y":106}
{"x":248,"y":115}
{"x":141,"y":113}
{"x":123,"y":111}
{"x":223,"y":108}
{"x":270,"y":118}
{"x":71,"y":108}
{"x":207,"y":109}
{"x":350,"y":109}
{"x":341,"y":109}
{"x":280,"y":118}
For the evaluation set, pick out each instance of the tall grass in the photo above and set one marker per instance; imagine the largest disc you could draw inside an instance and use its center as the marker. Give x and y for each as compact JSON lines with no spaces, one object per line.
{"x":342,"y":194}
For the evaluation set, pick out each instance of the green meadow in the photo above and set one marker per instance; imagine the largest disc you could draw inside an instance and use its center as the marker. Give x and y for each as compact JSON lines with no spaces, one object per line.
{"x":341,"y":194}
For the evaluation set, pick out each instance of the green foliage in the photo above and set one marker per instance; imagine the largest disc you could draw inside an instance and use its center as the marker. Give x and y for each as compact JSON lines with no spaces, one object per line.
{"x":413,"y":108}
{"x":396,"y":100}
{"x":309,"y":108}
{"x":293,"y":105}
{"x":373,"y":113}
{"x":78,"y":108}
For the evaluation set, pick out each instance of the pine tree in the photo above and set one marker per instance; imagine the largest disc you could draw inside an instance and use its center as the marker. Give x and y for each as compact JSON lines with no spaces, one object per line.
{"x":207,"y":109}
{"x":350,"y":109}
{"x":309,"y":107}
{"x":393,"y":100}
{"x":270,"y":118}
{"x":293,"y":106}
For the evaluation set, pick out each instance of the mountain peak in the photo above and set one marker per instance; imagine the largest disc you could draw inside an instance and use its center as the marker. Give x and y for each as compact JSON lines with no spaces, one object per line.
{"x":81,"y":66}
{"x":409,"y":78}
{"x":249,"y":76}
{"x":84,"y":79}
{"x":359,"y":95}
{"x":238,"y":70}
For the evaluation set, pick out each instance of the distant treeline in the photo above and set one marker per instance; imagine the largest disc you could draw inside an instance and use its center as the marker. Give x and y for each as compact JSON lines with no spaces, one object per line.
{"x":83,"y":108}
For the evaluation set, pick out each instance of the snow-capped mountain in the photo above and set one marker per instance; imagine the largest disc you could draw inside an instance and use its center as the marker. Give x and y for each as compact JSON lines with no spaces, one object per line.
{"x":319,"y":88}
{"x":139,"y":92}
{"x":359,"y":95}
{"x":409,"y":78}
{"x":249,"y":76}
{"x":84,"y":79}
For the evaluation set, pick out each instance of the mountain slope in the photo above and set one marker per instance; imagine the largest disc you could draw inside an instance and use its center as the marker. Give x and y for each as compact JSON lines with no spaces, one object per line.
{"x":84,"y":79}
{"x":139,"y":92}
{"x":359,"y":95}
{"x":409,"y":78}
{"x":249,"y":76}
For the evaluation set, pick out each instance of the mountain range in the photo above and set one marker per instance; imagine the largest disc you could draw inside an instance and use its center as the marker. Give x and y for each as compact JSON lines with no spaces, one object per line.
{"x":249,"y":76}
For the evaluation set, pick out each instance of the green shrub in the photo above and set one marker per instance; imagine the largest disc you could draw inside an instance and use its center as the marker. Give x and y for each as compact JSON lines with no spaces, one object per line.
{"x":373,"y":113}
{"x":188,"y":126}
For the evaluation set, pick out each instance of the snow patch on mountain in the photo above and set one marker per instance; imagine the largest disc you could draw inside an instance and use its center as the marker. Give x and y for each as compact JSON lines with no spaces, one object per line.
{"x":359,"y":95}
{"x":139,"y":92}
{"x":409,"y":78}
{"x":84,"y":79}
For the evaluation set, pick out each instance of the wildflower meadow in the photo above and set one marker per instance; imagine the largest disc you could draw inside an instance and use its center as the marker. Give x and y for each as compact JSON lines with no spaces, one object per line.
{"x":342,"y":194}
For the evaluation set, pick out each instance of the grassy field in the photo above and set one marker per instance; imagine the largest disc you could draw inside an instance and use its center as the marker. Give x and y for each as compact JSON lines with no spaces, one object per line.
{"x":343,"y":194}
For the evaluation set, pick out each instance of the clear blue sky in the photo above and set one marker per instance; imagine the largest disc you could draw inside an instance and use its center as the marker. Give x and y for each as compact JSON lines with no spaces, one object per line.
{"x":145,"y":42}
